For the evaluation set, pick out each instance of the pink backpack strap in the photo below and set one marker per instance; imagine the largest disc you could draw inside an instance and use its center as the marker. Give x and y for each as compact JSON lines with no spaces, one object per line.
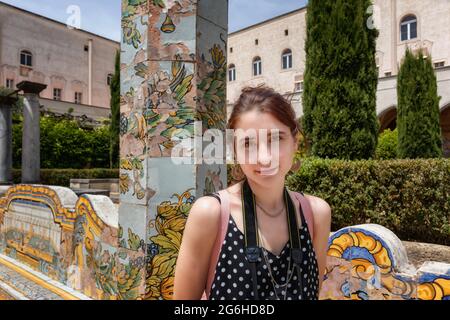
{"x":224,"y":218}
{"x":307,"y":212}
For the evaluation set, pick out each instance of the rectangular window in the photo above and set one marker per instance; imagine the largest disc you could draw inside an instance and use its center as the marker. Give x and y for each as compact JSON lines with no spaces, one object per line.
{"x":287,"y":61}
{"x":26,"y":59}
{"x":413,"y":30}
{"x":440,"y":64}
{"x":231,"y":50}
{"x":408,"y":30}
{"x":286,"y":32}
{"x":10,"y":83}
{"x":232,"y":74}
{"x":256,"y":42}
{"x":388,"y":74}
{"x":78,"y":97}
{"x":404,"y":32}
{"x":57,"y":94}
{"x":257,"y":68}
{"x":299,"y":86}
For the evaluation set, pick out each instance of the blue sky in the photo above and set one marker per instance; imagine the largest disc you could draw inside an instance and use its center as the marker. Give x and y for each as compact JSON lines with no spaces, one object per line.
{"x":103,"y":16}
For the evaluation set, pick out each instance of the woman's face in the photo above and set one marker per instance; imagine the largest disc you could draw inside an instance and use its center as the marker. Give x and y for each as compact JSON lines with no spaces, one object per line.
{"x":265,"y":147}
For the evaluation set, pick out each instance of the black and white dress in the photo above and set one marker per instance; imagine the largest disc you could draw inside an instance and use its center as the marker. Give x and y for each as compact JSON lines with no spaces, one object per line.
{"x":233,"y":279}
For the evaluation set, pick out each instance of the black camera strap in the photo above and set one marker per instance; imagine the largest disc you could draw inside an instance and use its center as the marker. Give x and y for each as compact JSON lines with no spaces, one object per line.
{"x":252,"y":246}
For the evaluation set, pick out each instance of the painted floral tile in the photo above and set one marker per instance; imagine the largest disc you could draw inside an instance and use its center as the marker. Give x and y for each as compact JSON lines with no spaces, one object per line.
{"x":133,"y":181}
{"x":131,"y":274}
{"x":171,"y":85}
{"x":169,"y":209}
{"x":211,"y":178}
{"x":172,"y":30}
{"x":170,"y":132}
{"x":133,"y":226}
{"x":135,"y":21}
{"x":211,"y":75}
{"x":133,"y":86}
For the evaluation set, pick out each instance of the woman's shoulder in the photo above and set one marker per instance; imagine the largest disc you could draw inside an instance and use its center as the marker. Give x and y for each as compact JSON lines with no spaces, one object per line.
{"x":208,"y":205}
{"x":320,"y":208}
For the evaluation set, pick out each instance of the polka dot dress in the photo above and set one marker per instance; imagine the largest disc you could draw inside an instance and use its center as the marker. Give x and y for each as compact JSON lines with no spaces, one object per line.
{"x":233,"y":279}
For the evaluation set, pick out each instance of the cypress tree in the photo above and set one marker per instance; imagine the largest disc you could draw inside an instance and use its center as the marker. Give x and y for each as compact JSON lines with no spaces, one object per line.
{"x":115,"y":115}
{"x":339,"y":100}
{"x":418,"y":122}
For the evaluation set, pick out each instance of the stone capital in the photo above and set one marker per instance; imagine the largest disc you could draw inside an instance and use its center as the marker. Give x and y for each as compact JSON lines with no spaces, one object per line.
{"x":31,"y":87}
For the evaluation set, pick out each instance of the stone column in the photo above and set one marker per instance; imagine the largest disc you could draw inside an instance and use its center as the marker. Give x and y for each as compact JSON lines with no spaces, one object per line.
{"x":173,"y":87}
{"x":6,"y":104}
{"x":31,"y":161}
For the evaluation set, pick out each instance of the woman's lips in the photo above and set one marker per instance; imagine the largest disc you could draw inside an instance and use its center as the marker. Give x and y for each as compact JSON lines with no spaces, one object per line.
{"x":267,"y":171}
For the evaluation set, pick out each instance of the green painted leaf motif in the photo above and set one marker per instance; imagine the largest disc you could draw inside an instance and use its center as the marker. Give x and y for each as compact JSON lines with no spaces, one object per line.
{"x":164,"y":242}
{"x":120,"y":231}
{"x":159,"y":3}
{"x":152,"y":118}
{"x":141,"y":69}
{"x":185,"y":208}
{"x":135,"y":3}
{"x":123,"y":244}
{"x":136,"y":164}
{"x":168,"y":133}
{"x":133,"y":240}
{"x":183,"y":88}
{"x":204,"y":85}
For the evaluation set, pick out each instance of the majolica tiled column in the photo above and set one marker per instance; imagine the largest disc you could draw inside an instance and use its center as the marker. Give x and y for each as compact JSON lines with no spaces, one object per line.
{"x":173,"y":85}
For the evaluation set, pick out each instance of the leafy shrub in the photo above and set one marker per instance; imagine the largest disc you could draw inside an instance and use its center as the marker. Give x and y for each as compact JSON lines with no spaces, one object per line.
{"x":387,"y":145}
{"x":61,"y":177}
{"x":409,"y":197}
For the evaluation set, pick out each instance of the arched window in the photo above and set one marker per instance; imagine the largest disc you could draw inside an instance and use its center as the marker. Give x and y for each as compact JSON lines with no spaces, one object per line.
{"x":26,"y":58}
{"x":287,"y":59}
{"x":257,"y":66}
{"x":408,"y":28}
{"x":232,"y":73}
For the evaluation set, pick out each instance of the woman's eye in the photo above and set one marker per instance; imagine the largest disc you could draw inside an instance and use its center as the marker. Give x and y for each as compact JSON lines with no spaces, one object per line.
{"x":275,"y":138}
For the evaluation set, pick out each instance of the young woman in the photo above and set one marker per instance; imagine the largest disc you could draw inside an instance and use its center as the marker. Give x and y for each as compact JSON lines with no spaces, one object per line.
{"x":281,"y":264}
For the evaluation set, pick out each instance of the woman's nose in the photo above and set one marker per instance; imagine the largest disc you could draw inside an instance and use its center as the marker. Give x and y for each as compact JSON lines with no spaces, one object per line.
{"x":264,"y":157}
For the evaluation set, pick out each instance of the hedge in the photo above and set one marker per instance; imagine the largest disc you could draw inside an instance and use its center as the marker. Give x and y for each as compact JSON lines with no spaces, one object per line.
{"x":61,"y":177}
{"x":387,"y":145}
{"x":64,"y":143}
{"x":409,"y":197}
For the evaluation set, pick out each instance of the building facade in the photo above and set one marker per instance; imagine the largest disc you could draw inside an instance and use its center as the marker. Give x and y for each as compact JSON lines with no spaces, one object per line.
{"x":272,"y":53}
{"x":76,"y":65}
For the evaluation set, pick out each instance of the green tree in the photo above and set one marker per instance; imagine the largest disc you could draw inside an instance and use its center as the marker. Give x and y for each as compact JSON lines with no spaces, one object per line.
{"x":66,"y":145}
{"x":339,"y":100}
{"x":419,"y":131}
{"x":387,"y":145}
{"x":115,"y":115}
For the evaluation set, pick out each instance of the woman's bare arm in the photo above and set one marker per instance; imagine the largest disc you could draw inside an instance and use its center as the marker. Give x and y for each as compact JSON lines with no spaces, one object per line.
{"x":322,"y":225}
{"x":193,"y":261}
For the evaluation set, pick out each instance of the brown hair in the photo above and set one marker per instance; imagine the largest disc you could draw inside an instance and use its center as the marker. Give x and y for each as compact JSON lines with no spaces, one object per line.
{"x":264,"y":100}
